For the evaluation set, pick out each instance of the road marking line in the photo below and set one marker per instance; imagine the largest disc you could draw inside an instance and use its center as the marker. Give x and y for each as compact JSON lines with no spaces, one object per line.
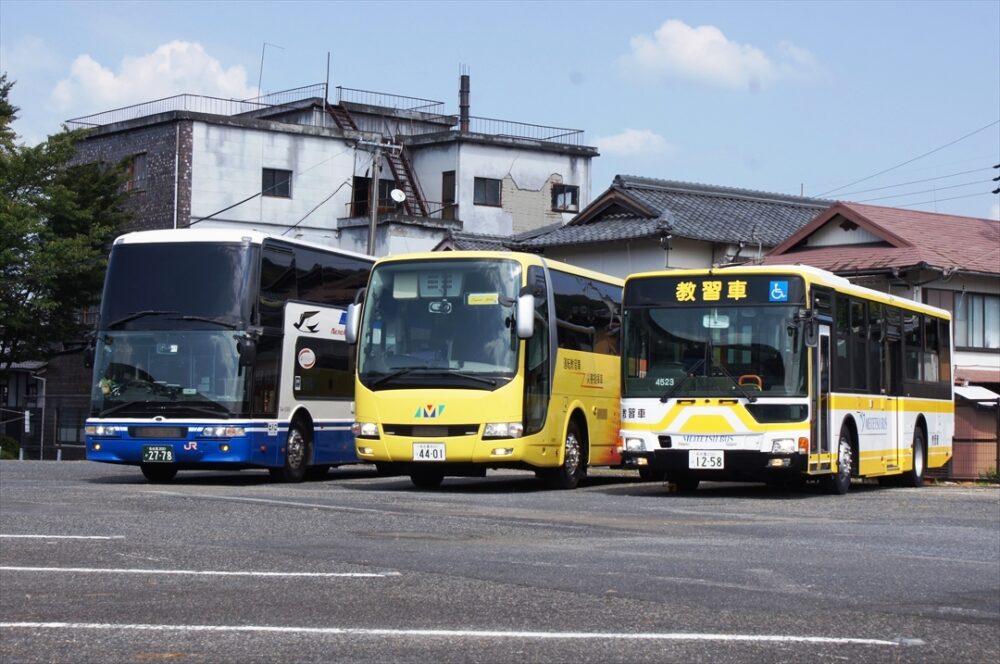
{"x":267,"y":501}
{"x":83,"y":537}
{"x":356,"y":631}
{"x":191,"y":572}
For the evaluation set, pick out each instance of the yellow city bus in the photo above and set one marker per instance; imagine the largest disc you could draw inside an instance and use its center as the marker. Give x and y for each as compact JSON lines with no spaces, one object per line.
{"x":781,"y":373}
{"x":475,"y":360}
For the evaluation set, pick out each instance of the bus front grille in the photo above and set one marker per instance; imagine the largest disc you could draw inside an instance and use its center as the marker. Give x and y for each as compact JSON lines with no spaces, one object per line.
{"x":431,"y":431}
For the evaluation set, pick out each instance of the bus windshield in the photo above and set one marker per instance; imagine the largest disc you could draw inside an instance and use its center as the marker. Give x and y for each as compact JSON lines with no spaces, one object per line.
{"x":146,"y":284}
{"x":192,"y":373}
{"x":442,"y":323}
{"x":713,"y":352}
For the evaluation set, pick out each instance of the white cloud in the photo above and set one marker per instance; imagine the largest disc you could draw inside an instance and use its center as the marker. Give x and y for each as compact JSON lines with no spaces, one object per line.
{"x":174,"y":68}
{"x":995,"y":212}
{"x":704,"y":54}
{"x":632,"y":142}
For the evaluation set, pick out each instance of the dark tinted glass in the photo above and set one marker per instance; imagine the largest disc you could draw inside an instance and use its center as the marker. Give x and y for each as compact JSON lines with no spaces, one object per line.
{"x":192,"y":278}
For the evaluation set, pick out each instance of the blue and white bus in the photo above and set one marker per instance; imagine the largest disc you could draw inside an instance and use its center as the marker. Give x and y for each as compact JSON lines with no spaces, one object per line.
{"x":224,"y":349}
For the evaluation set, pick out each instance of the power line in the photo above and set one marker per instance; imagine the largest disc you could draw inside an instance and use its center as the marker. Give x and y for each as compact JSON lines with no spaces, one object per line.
{"x":903,"y":184}
{"x":295,"y":225}
{"x":941,"y":200}
{"x":924,"y":191}
{"x":910,"y":161}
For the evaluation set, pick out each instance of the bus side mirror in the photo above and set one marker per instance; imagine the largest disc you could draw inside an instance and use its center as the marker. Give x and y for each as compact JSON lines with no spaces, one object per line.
{"x":246,"y":348}
{"x":353,"y":323}
{"x":525,"y":316}
{"x":88,"y":357}
{"x":811,"y":332}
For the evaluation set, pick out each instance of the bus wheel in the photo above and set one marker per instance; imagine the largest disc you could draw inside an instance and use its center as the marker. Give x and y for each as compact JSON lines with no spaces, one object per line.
{"x":840,"y":483}
{"x":158,"y":472}
{"x":297,"y":453}
{"x":426,"y":479}
{"x":915,"y":476}
{"x":652,"y":474}
{"x":567,"y":476}
{"x":316,"y":473}
{"x":685,"y":483}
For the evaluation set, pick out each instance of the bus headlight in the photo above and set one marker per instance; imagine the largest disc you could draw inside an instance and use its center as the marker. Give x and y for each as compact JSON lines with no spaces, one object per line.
{"x":364,"y":430}
{"x":783,"y":446}
{"x":102,"y":430}
{"x":635,"y":445}
{"x":503,"y":430}
{"x":223,"y":432}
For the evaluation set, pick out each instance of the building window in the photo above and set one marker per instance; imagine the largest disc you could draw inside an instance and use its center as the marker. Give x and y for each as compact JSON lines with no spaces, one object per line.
{"x":977,"y":321}
{"x":276,"y":182}
{"x":136,"y":173}
{"x":448,"y":207}
{"x":487,"y":192}
{"x":565,"y":198}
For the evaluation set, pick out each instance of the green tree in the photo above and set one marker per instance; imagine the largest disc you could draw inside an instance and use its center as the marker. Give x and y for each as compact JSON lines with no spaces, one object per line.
{"x":57,"y":219}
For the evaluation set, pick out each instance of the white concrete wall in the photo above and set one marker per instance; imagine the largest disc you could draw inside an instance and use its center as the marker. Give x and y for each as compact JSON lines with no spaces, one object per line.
{"x":226,"y":168}
{"x":832,"y":235}
{"x":526,"y":199}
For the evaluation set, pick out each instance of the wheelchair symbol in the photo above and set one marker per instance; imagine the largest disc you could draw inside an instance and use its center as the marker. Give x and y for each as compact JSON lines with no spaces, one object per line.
{"x":779,"y":291}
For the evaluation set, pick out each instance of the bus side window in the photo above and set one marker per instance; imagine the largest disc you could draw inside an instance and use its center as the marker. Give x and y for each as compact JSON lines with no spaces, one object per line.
{"x":277,"y":284}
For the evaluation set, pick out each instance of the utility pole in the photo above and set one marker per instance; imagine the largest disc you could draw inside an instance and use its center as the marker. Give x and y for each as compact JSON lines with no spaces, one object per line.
{"x":373,"y":198}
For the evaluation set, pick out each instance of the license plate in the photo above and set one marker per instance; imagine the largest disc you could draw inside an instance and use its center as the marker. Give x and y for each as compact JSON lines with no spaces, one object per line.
{"x":157,"y":454}
{"x":428,"y":451}
{"x":706,"y":459}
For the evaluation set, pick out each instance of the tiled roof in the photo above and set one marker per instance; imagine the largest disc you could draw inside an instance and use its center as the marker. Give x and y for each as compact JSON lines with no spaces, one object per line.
{"x":690,"y":210}
{"x":912,"y":238}
{"x":462,"y":241}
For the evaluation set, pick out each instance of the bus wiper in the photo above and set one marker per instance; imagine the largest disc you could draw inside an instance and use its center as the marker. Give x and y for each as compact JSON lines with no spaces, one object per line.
{"x":467,"y":376}
{"x":218,"y":321}
{"x":739,"y":387}
{"x":673,"y":390}
{"x":121,"y":406}
{"x":138,"y":314}
{"x":215,"y":409}
{"x":395,"y":374}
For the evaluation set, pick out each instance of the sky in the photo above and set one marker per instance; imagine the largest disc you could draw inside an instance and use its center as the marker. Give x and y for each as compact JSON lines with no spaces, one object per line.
{"x":886,"y":103}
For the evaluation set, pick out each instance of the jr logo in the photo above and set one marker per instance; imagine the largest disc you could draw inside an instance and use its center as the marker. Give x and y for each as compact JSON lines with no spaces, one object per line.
{"x":429,"y":411}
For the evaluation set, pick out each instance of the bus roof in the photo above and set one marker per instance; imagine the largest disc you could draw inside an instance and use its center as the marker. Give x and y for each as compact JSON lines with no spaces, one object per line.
{"x":521,"y":257}
{"x":223,"y":235}
{"x":812,"y":275}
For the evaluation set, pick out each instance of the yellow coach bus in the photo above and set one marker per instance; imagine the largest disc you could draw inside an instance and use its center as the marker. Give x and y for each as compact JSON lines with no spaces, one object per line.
{"x":774,"y":373}
{"x":475,"y":360}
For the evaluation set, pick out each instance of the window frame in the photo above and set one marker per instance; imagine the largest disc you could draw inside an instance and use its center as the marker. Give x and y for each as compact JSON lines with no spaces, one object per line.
{"x":481,"y":197}
{"x":271,"y":188}
{"x":560,"y":191}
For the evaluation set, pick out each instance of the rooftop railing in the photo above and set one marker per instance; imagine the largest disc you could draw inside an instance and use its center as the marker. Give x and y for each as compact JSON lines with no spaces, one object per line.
{"x":507,"y":128}
{"x":232,"y":107}
{"x":198,"y":104}
{"x":385,"y":100}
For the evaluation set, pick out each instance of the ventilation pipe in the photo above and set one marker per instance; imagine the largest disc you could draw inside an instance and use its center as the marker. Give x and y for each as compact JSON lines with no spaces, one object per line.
{"x":463,"y":103}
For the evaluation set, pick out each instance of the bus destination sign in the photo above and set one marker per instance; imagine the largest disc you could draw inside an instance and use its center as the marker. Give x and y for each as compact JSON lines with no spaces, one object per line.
{"x":714,"y":290}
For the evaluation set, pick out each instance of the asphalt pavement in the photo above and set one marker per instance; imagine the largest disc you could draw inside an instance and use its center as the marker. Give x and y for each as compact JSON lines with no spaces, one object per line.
{"x":97,"y":565}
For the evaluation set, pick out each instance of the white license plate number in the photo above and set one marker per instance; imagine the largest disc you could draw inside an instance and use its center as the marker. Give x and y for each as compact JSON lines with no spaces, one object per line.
{"x":428,"y":451}
{"x":706,"y":459}
{"x":157,"y":454}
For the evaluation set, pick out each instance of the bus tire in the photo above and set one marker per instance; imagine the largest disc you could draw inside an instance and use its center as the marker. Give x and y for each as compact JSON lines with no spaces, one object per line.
{"x":298,"y":450}
{"x":915,"y":476}
{"x":569,"y":472}
{"x":685,"y":483}
{"x":316,"y":473}
{"x":158,"y":473}
{"x":840,"y":483}
{"x":426,"y":479}
{"x":652,"y":474}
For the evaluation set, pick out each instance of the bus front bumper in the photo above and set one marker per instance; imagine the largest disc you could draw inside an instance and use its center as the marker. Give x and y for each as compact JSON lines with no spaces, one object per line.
{"x":737,"y":465}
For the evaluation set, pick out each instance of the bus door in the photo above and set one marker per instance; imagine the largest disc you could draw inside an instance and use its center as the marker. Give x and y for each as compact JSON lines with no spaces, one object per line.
{"x":893,"y":381}
{"x":820,"y":438}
